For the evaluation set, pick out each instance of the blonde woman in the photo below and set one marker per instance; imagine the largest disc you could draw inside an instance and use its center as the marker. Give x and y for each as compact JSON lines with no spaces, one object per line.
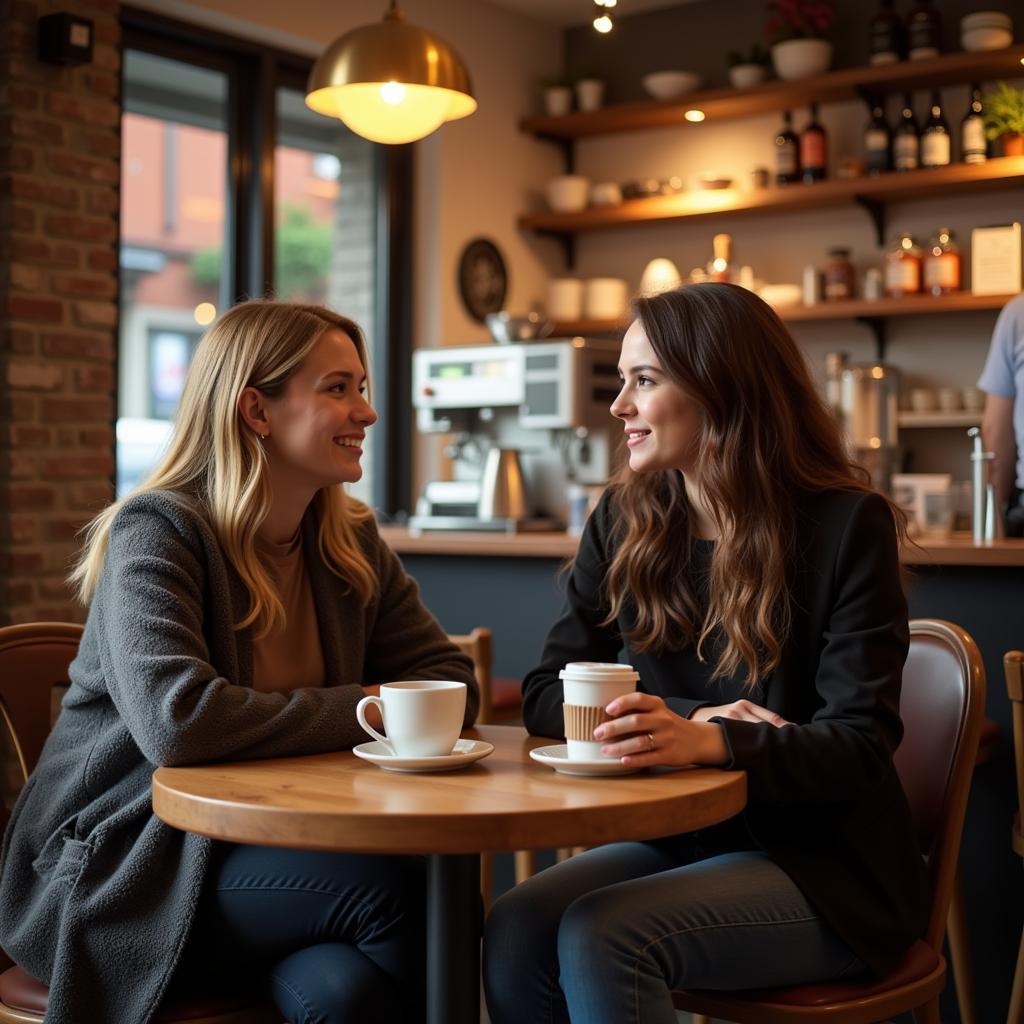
{"x":240,"y":605}
{"x":750,"y":574}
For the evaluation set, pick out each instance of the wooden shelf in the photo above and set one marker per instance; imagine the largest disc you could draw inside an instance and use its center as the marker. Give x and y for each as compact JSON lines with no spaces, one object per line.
{"x":854,"y":309}
{"x":938,"y":419}
{"x":871,"y":192}
{"x":725,"y":104}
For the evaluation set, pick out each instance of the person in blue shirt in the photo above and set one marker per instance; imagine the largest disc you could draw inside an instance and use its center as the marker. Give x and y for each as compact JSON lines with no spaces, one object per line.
{"x":1002,"y":424}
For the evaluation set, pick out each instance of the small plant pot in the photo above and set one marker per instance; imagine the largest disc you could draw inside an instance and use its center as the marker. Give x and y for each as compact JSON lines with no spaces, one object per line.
{"x":801,"y":58}
{"x":589,"y":93}
{"x":745,"y":76}
{"x":1013,"y":143}
{"x":557,"y":100}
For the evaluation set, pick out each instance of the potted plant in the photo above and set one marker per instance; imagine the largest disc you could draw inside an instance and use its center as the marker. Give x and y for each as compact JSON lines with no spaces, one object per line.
{"x":1003,"y":111}
{"x":589,"y":91}
{"x":796,"y":30}
{"x":748,"y":68}
{"x":557,"y":93}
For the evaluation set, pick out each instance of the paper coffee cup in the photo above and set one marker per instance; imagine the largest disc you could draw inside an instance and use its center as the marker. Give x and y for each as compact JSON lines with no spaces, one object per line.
{"x":587,"y":688}
{"x":422,"y":717}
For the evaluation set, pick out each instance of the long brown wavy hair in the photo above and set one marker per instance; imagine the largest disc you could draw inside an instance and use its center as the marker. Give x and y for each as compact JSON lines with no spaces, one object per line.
{"x":766,"y":439}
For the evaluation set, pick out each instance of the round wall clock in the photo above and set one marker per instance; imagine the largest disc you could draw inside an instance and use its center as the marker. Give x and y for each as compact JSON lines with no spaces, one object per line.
{"x":483,"y":280}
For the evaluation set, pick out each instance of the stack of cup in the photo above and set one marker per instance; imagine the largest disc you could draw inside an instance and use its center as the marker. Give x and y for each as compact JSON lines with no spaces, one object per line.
{"x":588,"y":687}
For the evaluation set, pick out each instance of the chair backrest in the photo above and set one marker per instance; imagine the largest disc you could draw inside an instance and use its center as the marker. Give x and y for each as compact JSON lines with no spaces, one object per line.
{"x":1013,"y":664}
{"x":942,"y":708}
{"x":34,"y":658}
{"x":478,"y":646}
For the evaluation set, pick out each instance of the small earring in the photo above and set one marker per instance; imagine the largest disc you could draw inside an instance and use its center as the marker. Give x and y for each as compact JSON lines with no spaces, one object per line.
{"x":263,"y":437}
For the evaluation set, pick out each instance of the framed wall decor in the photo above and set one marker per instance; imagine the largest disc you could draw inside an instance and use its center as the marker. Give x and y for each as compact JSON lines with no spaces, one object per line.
{"x":483,"y":279}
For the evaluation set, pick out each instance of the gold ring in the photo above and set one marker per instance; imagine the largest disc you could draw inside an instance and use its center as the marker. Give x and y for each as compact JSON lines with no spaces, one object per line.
{"x":650,"y":742}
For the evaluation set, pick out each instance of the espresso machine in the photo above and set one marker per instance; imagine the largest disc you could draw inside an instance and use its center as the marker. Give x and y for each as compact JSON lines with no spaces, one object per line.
{"x":526,"y":420}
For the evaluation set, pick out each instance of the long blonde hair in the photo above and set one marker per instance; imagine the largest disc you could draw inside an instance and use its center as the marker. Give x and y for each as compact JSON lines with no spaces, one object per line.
{"x":766,"y":440}
{"x":213,"y":458}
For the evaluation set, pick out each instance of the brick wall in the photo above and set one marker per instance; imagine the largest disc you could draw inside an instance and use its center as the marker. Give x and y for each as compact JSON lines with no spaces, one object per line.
{"x":59,"y":175}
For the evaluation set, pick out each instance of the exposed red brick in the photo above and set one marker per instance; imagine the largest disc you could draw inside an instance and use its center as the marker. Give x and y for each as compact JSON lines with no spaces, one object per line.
{"x":102,"y":201}
{"x":83,"y":168}
{"x":92,"y":229}
{"x":63,"y":529}
{"x":81,"y":346}
{"x":83,"y":410}
{"x":21,"y":562}
{"x":67,"y":437}
{"x":82,"y":110}
{"x":106,"y":57}
{"x":15,"y":157}
{"x":97,"y":437}
{"x":32,"y":129}
{"x":23,"y":218}
{"x":17,"y":408}
{"x":96,"y":143}
{"x":102,"y":83}
{"x":21,"y":529}
{"x":20,"y":465}
{"x":102,"y":259}
{"x":29,"y":435}
{"x":23,"y":187}
{"x":19,"y":340}
{"x":32,"y":375}
{"x":104,"y":287}
{"x":94,"y":314}
{"x":95,"y":378}
{"x":90,"y":496}
{"x":32,"y":250}
{"x":25,"y":278}
{"x":31,"y":497}
{"x":14,"y":594}
{"x":24,"y":307}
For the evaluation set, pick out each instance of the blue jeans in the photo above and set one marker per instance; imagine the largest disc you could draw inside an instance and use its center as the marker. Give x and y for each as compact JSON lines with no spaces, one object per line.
{"x":604,"y":937}
{"x":339,"y":938}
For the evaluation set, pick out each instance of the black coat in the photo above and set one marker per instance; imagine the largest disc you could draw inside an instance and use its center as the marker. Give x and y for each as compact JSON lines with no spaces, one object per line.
{"x":824,"y":800}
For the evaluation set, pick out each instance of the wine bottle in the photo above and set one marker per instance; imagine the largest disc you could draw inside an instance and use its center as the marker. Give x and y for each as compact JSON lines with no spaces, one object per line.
{"x":787,"y":152}
{"x":885,"y":36}
{"x":813,"y":149}
{"x":878,"y":142}
{"x":935,"y":139}
{"x":906,"y":144}
{"x":973,"y":149}
{"x":924,"y":28}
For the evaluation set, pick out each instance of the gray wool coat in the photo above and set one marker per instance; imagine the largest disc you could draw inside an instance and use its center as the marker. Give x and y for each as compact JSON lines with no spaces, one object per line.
{"x":97,"y":895}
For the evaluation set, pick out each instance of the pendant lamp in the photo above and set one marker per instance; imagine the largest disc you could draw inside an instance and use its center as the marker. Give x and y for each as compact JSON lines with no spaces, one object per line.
{"x":391,"y":82}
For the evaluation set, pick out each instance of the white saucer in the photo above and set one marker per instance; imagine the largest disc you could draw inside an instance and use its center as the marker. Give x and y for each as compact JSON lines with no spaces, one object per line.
{"x":465,"y":752}
{"x":557,"y":757}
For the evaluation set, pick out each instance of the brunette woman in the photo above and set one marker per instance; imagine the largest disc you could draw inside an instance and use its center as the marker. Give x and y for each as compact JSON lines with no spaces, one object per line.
{"x":240,"y":605}
{"x":751,"y":575}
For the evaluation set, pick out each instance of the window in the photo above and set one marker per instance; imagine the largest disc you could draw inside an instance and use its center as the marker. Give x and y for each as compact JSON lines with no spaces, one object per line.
{"x":201,"y":228}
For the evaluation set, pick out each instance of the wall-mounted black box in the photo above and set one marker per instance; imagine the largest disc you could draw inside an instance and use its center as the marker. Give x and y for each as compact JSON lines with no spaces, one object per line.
{"x":65,"y":39}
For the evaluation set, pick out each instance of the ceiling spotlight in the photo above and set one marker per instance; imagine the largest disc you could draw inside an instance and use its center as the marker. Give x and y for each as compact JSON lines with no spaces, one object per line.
{"x":602,"y":19}
{"x":696,"y":116}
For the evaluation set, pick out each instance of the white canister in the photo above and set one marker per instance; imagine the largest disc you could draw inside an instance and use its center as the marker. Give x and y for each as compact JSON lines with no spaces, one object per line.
{"x":565,"y":298}
{"x":605,"y":298}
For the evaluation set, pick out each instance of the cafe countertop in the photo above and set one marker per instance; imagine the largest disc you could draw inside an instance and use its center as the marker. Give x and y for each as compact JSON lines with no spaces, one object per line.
{"x":957,"y":549}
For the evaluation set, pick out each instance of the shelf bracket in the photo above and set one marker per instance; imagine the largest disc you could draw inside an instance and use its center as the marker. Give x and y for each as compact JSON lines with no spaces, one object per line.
{"x":878,"y":326}
{"x":568,"y":242}
{"x":567,"y":148}
{"x":876,"y":211}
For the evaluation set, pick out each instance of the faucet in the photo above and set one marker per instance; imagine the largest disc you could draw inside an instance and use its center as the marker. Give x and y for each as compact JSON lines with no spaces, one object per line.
{"x":983,"y":519}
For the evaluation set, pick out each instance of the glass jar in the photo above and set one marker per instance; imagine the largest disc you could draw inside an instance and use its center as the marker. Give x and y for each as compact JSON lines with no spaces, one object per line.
{"x":903,"y":267}
{"x":838,"y":275}
{"x":942,"y":264}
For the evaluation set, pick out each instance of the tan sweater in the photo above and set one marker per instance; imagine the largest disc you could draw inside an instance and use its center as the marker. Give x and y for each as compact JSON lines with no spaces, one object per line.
{"x":290,"y":658}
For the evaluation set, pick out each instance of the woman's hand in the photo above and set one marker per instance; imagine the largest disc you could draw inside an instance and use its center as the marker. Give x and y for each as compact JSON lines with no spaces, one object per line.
{"x":644,"y":732}
{"x":742,"y":711}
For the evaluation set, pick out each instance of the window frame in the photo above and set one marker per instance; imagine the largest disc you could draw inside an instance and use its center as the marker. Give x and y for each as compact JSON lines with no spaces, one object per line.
{"x":252,"y":130}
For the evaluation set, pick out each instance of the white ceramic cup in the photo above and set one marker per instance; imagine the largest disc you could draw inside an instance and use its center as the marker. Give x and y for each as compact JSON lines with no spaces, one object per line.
{"x":923,"y":400}
{"x":594,"y":684}
{"x":950,"y":399}
{"x":605,"y":298}
{"x":565,"y":298}
{"x":422,"y":717}
{"x":568,"y":193}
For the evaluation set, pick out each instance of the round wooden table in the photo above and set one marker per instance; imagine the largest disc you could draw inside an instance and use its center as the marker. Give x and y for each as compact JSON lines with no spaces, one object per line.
{"x":504,"y":802}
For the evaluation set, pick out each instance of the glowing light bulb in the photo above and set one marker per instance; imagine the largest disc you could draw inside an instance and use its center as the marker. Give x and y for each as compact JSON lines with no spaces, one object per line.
{"x":392,"y":93}
{"x":205,"y":313}
{"x":696,"y":116}
{"x":603,"y":23}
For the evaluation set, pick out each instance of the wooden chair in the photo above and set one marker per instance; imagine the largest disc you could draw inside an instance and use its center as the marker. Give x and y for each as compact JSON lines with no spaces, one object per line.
{"x":478,"y":645}
{"x":34,"y":659}
{"x":942,"y":708}
{"x":1013,"y":664}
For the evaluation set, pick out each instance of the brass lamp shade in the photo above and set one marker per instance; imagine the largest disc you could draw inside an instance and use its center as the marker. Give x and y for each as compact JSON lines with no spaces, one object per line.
{"x":390,"y":82}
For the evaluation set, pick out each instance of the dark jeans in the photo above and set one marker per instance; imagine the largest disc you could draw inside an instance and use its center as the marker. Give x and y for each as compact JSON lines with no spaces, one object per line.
{"x":604,"y":937}
{"x":338,"y":938}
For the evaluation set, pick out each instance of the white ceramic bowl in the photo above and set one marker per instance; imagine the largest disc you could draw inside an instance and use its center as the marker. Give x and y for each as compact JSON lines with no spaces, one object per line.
{"x":668,"y":85}
{"x":744,"y":76}
{"x":567,"y":193}
{"x":976,"y":39}
{"x":986,"y":19}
